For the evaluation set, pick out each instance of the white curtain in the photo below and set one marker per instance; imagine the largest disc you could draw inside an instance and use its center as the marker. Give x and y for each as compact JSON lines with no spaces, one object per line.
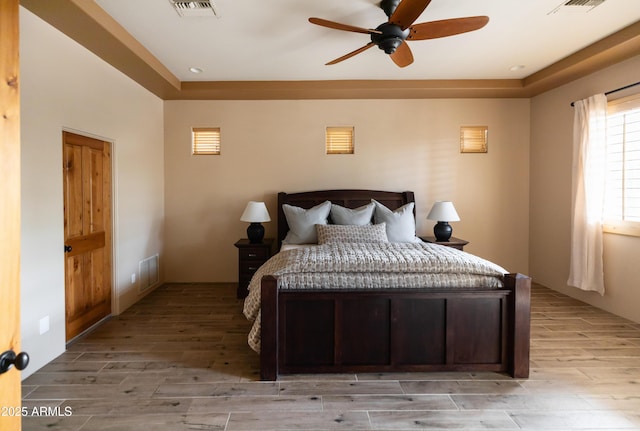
{"x":589,"y":163}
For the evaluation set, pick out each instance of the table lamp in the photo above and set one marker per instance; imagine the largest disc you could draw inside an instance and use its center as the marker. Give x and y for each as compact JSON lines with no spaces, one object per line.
{"x":443,"y":212}
{"x":255,"y":213}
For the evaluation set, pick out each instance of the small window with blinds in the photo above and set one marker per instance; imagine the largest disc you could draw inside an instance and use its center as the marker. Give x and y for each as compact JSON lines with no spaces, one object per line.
{"x":340,"y":140}
{"x":474,"y":139}
{"x":205,"y":141}
{"x":622,"y":193}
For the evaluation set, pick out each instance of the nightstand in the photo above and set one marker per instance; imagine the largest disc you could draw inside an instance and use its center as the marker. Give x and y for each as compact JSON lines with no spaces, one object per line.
{"x":453,"y":242}
{"x":251,"y":255}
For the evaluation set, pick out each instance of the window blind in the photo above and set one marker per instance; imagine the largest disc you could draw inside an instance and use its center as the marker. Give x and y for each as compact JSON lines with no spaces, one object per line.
{"x":473,"y":139}
{"x":205,"y":140}
{"x":622,"y":201}
{"x":339,"y":140}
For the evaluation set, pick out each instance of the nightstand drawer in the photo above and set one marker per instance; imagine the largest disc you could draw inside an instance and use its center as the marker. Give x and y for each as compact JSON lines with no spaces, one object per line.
{"x":255,"y":253}
{"x":244,"y":280}
{"x":249,"y":267}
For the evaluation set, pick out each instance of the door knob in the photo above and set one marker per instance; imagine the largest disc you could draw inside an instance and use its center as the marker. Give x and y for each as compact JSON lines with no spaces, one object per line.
{"x":67,"y":248}
{"x":9,"y":358}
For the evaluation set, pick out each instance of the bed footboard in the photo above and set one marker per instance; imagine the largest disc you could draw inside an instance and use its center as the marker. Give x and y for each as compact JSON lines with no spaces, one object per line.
{"x":391,"y":330}
{"x":519,"y":324}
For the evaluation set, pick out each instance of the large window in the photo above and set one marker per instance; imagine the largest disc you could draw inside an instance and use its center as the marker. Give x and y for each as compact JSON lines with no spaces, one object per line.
{"x":622,"y":201}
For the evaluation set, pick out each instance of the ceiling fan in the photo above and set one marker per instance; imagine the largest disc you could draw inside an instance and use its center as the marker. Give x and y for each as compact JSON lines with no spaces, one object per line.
{"x":392,"y":35}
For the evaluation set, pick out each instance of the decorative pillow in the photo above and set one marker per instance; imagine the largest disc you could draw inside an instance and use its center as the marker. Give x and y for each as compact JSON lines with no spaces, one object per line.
{"x":358,"y":216}
{"x":302,"y":223}
{"x":334,"y":233}
{"x":401,"y":223}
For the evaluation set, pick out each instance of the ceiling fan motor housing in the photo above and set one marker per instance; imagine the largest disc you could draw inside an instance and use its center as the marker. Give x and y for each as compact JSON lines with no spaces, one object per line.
{"x":389,"y":6}
{"x":391,"y":37}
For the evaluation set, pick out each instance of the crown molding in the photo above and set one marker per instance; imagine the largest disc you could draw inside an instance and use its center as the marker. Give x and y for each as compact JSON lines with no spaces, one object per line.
{"x":613,"y":49}
{"x":349,"y":89}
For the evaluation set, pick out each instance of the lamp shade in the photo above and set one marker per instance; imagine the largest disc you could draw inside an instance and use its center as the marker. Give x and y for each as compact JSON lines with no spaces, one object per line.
{"x":255,"y":212}
{"x":443,"y":211}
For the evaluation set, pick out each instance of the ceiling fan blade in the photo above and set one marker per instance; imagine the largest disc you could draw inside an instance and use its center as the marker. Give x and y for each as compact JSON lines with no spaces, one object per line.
{"x":343,"y":27}
{"x":402,"y":55}
{"x":407,"y":12}
{"x":351,"y":54}
{"x":446,"y":27}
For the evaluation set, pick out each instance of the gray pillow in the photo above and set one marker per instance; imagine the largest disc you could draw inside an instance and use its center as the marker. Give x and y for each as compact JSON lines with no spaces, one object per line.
{"x":401,"y":223}
{"x":302,"y":223}
{"x":347,"y":216}
{"x":334,"y":233}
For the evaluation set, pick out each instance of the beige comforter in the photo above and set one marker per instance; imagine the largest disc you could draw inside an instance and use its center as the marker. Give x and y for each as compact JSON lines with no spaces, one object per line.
{"x":370,"y":266}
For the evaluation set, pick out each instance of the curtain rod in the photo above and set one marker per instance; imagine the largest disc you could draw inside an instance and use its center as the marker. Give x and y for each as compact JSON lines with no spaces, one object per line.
{"x":616,"y":90}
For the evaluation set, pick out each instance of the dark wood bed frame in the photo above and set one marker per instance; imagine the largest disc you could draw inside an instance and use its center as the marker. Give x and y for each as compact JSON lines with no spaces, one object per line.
{"x":392,"y":330}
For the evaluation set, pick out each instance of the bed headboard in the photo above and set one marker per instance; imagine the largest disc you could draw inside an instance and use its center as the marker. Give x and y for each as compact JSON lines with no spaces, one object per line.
{"x":345,"y":198}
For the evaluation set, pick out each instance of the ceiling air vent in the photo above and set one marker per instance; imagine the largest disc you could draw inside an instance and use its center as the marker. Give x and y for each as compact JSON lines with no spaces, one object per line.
{"x":576,"y":6}
{"x":195,"y":8}
{"x":592,"y":3}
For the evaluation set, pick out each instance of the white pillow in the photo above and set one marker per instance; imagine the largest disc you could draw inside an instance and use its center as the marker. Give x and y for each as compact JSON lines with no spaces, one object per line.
{"x":347,"y":216}
{"x":335,"y":233}
{"x":401,"y":223}
{"x":302,"y":223}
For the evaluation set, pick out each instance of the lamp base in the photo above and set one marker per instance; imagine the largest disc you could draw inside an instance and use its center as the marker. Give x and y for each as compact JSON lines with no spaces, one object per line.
{"x":442,"y":231}
{"x":255,"y":232}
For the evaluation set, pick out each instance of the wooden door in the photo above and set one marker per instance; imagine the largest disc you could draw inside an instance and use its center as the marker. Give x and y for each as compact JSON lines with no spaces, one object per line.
{"x":87,"y":231}
{"x":9,"y":211}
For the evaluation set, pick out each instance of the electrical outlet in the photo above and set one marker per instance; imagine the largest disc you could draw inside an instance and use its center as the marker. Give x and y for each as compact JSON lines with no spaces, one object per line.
{"x":44,"y":325}
{"x":133,"y":278}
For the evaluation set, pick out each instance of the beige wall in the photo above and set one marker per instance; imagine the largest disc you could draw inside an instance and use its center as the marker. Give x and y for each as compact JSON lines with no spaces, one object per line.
{"x":551,"y":152}
{"x":272,"y":146}
{"x":63,"y":86}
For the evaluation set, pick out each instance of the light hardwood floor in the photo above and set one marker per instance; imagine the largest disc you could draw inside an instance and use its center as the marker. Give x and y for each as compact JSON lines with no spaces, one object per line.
{"x":178,"y":360}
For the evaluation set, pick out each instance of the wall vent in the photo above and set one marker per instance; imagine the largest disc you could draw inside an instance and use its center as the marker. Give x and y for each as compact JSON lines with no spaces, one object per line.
{"x":195,"y":8}
{"x":148,"y":273}
{"x":576,"y":6}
